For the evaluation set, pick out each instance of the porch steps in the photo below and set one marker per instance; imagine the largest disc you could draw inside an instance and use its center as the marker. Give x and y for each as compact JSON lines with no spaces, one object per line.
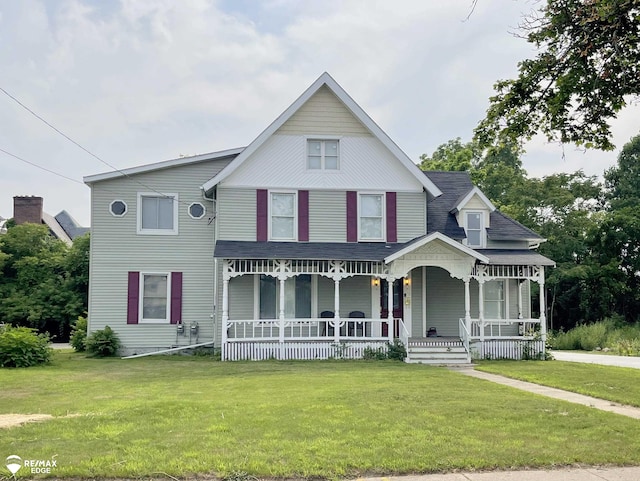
{"x":453,"y":353}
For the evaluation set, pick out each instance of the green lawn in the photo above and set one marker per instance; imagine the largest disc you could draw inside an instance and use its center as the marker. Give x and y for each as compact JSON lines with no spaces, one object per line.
{"x":618,"y":384}
{"x":185,"y":416}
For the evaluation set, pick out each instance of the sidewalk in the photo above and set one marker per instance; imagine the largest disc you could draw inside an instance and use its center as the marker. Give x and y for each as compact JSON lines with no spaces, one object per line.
{"x":604,"y":359}
{"x":572,"y":474}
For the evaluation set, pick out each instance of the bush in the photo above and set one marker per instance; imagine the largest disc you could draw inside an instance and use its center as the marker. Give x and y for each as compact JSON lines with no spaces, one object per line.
{"x":371,"y":354}
{"x":79,"y":334}
{"x":23,"y":347}
{"x":396,"y":351}
{"x":610,"y":333}
{"x":103,"y":343}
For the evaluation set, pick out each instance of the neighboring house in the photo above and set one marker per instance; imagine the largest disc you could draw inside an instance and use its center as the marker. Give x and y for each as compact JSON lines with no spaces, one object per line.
{"x":3,"y":226}
{"x":62,"y":226}
{"x":319,"y":239}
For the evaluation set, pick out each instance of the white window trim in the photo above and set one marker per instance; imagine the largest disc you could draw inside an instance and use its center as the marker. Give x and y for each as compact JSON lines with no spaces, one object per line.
{"x":204,"y":210}
{"x":321,"y":138}
{"x":126,"y":208}
{"x":483,"y":230}
{"x":384,"y":217}
{"x":256,"y":296}
{"x":295,"y":216}
{"x":141,"y":319}
{"x":176,"y":202}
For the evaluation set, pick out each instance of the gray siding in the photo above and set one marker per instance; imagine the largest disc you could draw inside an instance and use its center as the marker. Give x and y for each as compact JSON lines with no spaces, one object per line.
{"x":411,"y":215}
{"x":445,"y":301}
{"x":327,"y":216}
{"x":241,"y":297}
{"x":236,"y":214}
{"x":325,"y":295}
{"x":116,"y":249}
{"x":416,"y":303}
{"x":355,"y":295}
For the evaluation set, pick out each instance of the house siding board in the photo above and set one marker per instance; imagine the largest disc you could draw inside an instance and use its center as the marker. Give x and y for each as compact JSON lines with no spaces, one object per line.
{"x":323,"y":114}
{"x":116,"y":249}
{"x":325,"y":295}
{"x":241,"y":298}
{"x":416,"y":303}
{"x":237,"y":213}
{"x":355,"y":295}
{"x":411,"y":215}
{"x":365,"y":164}
{"x":445,"y":301}
{"x":327,"y":213}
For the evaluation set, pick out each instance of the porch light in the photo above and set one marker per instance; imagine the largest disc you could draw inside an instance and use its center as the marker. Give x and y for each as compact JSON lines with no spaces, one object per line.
{"x":375,"y":282}
{"x":407,"y":281}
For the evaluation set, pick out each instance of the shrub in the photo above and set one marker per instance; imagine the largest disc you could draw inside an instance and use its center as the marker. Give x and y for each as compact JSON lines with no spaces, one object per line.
{"x":396,"y":351}
{"x":23,"y":347}
{"x":103,"y":343}
{"x":79,"y":334}
{"x":371,"y":354}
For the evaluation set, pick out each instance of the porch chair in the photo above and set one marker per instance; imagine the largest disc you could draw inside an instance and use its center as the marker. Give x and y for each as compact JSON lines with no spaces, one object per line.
{"x":327,"y":329}
{"x":432,"y":332}
{"x":359,"y":325}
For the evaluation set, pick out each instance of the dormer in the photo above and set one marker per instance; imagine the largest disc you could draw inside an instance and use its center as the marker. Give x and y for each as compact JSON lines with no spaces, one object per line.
{"x":473,"y":213}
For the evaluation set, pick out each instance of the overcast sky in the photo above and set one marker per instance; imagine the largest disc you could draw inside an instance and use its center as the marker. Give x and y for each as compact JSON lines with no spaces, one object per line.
{"x":136,"y":82}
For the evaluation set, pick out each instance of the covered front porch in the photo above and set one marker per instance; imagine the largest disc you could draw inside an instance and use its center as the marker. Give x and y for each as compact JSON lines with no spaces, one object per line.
{"x":434,"y":295}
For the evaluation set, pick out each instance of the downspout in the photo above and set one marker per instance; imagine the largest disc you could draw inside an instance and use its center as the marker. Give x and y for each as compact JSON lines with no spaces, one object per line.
{"x":212,"y":199}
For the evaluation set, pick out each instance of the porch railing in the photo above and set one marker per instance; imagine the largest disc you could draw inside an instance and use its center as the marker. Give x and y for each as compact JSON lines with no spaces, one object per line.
{"x":464,"y":334}
{"x":404,"y":334}
{"x":504,"y":328}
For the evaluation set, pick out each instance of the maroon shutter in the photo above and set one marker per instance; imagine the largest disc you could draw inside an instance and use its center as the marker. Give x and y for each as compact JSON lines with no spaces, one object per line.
{"x":176,"y":297}
{"x":133,"y":297}
{"x":262,"y":209}
{"x":352,"y":216}
{"x":303,"y":215}
{"x":392,"y":223}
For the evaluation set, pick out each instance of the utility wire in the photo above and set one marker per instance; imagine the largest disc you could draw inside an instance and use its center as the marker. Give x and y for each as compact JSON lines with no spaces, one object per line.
{"x":40,"y":167}
{"x":81,"y":147}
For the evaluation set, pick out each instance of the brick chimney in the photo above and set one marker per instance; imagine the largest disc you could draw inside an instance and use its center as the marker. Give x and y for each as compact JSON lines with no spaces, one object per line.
{"x":27,"y":209}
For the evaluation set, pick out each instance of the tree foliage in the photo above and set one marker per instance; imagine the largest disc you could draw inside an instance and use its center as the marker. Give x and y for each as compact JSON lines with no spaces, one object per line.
{"x":43,"y":283}
{"x":587,"y":65}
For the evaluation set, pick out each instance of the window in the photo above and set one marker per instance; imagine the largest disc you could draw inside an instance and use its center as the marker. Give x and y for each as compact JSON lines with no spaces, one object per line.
{"x":118,"y":208}
{"x":282,"y":225}
{"x":494,"y":300}
{"x":197,"y":210}
{"x":322,"y":155}
{"x":158,"y":214}
{"x":371,"y":217}
{"x":297,"y":297}
{"x":154,"y":298}
{"x":474,"y":229}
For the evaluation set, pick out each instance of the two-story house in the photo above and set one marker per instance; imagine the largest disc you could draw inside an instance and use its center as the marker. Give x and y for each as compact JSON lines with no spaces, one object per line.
{"x":318,"y":239}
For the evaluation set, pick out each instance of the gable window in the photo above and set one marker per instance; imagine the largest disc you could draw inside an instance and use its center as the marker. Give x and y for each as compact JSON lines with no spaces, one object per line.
{"x":371,"y":217}
{"x":474,"y":229}
{"x":494,"y":305}
{"x":154,"y":297}
{"x":118,"y":208}
{"x":282,"y":212}
{"x":157,"y":214}
{"x":322,"y":155}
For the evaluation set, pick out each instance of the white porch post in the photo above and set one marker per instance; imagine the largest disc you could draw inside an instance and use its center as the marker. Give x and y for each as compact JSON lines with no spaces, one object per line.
{"x":467,"y":305}
{"x":336,"y":309}
{"x":390,"y":308}
{"x":543,"y":306}
{"x":282,"y":280}
{"x":519,"y":298}
{"x":481,"y":306}
{"x":225,"y":308}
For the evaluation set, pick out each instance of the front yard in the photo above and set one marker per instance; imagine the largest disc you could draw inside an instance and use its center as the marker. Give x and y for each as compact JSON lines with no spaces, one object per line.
{"x":188,"y":415}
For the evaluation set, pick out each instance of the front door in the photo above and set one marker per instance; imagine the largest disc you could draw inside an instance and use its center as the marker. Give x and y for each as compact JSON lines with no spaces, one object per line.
{"x":398,"y":305}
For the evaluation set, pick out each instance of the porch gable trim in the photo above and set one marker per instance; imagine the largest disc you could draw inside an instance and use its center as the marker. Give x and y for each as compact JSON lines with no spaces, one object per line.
{"x":430,"y":238}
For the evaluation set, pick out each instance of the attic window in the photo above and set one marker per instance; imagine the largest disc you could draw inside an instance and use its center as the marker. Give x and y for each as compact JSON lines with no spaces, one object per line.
{"x":322,"y":155}
{"x":474,"y":229}
{"x":118,"y":208}
{"x":197,"y":210}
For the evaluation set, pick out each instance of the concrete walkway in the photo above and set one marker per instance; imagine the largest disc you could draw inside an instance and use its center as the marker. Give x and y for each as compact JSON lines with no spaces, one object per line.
{"x":574,"y":474}
{"x":605,"y":359}
{"x":552,"y":392}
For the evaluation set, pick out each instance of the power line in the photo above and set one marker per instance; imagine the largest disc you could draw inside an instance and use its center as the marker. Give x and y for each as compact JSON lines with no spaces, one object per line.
{"x":40,"y":167}
{"x":81,"y":147}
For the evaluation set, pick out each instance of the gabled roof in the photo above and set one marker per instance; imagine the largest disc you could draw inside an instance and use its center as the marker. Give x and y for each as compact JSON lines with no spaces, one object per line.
{"x":194,"y":159}
{"x":465,"y":198}
{"x":420,"y":241}
{"x":70,"y":225}
{"x":356,"y":110}
{"x":456,"y":187}
{"x":55,"y":228}
{"x":517,"y":257}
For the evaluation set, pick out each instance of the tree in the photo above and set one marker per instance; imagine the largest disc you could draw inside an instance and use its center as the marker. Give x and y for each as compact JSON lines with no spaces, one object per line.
{"x":451,"y":156}
{"x":588,"y":61}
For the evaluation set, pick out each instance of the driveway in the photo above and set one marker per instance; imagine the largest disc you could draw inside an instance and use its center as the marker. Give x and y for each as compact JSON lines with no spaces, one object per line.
{"x":620,"y":361}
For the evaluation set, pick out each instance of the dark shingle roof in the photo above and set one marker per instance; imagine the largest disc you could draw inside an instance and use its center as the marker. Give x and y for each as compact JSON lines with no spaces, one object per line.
{"x":360,"y":251}
{"x":69,"y":225}
{"x":455,"y":185}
